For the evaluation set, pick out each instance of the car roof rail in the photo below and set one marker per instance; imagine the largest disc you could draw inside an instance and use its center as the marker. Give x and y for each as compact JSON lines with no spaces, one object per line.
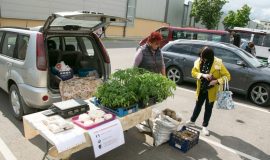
{"x":14,"y":27}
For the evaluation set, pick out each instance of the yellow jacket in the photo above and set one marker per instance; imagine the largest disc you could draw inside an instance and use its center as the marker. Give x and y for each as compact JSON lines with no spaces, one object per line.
{"x":218,"y":71}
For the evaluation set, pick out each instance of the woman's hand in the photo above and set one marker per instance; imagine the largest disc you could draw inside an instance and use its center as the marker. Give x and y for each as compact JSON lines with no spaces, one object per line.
{"x":213,"y":82}
{"x":208,"y":77}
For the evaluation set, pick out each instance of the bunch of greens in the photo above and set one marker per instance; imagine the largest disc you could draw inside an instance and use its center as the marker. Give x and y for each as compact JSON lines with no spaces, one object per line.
{"x":130,"y":86}
{"x":155,"y":86}
{"x":113,"y":94}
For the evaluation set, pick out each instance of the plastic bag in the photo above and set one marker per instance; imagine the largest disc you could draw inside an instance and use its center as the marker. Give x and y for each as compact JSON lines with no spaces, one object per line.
{"x":144,"y":126}
{"x":163,"y":127}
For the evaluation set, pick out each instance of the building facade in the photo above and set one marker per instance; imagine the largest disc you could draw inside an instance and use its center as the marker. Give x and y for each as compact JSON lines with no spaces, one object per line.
{"x":145,"y":15}
{"x":255,"y":24}
{"x":265,"y":24}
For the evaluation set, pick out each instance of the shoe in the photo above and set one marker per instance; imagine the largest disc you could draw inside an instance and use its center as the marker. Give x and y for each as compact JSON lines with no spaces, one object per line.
{"x":205,"y":131}
{"x":190,"y":123}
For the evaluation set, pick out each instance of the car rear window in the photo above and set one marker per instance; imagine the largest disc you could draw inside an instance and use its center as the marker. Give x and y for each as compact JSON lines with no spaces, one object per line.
{"x":164,"y":33}
{"x":9,"y":44}
{"x":71,"y":44}
{"x":88,"y":46}
{"x":1,"y":35}
{"x":196,"y":49}
{"x":199,"y":36}
{"x":56,"y":45}
{"x":22,"y":47}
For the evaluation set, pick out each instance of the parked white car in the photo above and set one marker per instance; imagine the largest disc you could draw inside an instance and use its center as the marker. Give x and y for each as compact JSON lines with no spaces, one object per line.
{"x":27,"y":55}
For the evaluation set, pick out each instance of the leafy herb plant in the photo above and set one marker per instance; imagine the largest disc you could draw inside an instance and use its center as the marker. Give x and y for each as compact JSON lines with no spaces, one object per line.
{"x":130,"y":86}
{"x":113,"y":94}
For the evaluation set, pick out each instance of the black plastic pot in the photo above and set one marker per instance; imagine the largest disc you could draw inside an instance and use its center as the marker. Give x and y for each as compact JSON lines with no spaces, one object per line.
{"x":151,"y":101}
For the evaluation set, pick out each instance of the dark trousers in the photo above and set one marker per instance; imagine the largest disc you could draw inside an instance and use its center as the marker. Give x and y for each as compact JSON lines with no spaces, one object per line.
{"x":208,"y":109}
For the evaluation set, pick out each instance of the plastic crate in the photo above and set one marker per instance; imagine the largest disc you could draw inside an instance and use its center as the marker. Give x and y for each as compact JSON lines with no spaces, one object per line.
{"x":121,"y":112}
{"x":64,"y":75}
{"x":184,"y":144}
{"x":85,"y":72}
{"x":95,"y":101}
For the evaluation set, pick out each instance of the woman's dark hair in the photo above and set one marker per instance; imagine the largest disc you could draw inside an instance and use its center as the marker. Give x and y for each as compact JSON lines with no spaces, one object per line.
{"x":236,"y":39}
{"x":207,"y":54}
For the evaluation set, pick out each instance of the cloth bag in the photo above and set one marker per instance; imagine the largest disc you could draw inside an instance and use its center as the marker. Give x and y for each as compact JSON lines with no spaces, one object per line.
{"x":224,"y":97}
{"x":163,"y":127}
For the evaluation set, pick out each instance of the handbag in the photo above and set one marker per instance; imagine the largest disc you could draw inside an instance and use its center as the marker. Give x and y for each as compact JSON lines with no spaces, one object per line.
{"x":224,"y":97}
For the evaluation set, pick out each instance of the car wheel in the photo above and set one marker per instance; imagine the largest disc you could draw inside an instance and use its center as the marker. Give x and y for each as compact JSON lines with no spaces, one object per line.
{"x":16,"y":102}
{"x":175,"y":74}
{"x":260,"y":94}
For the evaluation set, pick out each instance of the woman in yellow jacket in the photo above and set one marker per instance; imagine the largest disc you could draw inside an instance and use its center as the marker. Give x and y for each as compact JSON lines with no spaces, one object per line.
{"x":210,"y":73}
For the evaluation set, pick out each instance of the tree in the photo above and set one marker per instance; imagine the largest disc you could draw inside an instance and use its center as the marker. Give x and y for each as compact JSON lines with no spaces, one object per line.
{"x":208,"y":12}
{"x":240,"y":18}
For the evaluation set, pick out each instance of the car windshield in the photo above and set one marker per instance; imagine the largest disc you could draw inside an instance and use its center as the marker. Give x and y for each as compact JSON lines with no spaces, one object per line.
{"x":250,"y":59}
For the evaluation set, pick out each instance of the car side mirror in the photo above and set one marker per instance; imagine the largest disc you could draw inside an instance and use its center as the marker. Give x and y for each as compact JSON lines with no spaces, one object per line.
{"x":269,"y":49}
{"x":241,"y":63}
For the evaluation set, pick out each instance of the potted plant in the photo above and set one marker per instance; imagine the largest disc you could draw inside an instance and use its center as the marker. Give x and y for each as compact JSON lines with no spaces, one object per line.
{"x":155,"y":88}
{"x":134,"y":85}
{"x":117,"y":98}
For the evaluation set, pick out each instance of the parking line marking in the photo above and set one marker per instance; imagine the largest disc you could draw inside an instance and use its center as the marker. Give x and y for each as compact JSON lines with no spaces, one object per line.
{"x":251,"y":107}
{"x":146,"y":144}
{"x":237,"y":103}
{"x":141,"y":152}
{"x":8,"y":155}
{"x":229,"y":149}
{"x":188,"y":90}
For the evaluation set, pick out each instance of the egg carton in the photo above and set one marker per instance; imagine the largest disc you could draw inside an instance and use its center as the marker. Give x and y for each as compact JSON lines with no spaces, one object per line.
{"x":86,"y":120}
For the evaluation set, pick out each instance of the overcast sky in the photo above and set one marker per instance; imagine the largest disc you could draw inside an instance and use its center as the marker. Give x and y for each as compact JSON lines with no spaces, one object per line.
{"x":260,"y":8}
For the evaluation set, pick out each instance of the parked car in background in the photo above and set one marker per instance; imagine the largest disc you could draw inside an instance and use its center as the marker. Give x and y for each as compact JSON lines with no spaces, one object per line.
{"x":248,"y":75}
{"x":173,"y":33}
{"x":27,"y":56}
{"x":261,"y":39}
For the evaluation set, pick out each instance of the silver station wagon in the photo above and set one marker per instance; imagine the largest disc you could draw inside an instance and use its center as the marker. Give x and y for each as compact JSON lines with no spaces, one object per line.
{"x":26,"y":56}
{"x":248,"y":75}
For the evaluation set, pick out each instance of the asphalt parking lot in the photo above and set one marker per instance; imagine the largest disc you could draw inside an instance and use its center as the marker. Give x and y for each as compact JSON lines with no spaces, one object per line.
{"x":238,"y":134}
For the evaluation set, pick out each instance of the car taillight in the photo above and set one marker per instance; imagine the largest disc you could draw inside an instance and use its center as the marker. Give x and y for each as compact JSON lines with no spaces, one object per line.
{"x":104,"y":51}
{"x":41,"y":54}
{"x":45,"y":98}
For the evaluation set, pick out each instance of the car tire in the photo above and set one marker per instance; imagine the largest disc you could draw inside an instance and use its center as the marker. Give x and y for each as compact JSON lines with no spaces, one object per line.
{"x":260,"y":94}
{"x":175,"y":74}
{"x":16,"y":101}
